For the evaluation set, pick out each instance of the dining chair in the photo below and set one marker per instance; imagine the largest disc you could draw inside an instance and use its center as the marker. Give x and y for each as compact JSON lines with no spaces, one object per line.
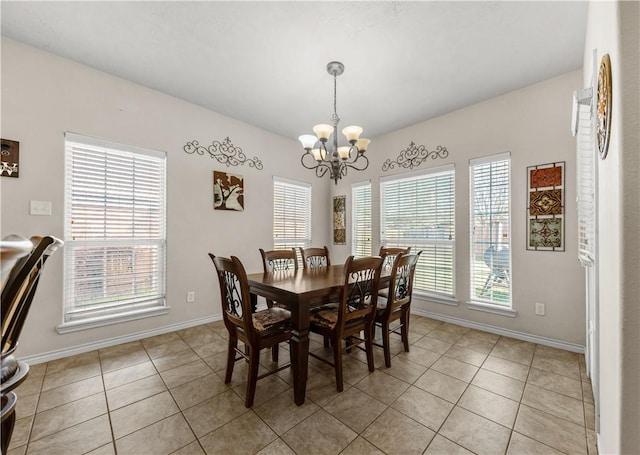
{"x":388,"y":256}
{"x":396,"y":305}
{"x":18,"y":291}
{"x":275,"y":260}
{"x":315,"y":257}
{"x":354,"y":314}
{"x":261,"y":330}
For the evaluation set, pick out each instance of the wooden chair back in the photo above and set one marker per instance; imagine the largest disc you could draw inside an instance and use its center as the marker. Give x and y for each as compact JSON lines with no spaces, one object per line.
{"x":389,"y":255}
{"x":401,"y":281}
{"x":315,"y":257}
{"x":360,"y":291}
{"x":275,"y":260}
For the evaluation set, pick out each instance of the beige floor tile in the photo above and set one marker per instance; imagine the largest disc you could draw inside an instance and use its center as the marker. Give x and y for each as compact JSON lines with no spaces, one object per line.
{"x":423,"y":407}
{"x":442,"y":446}
{"x":214,"y":412}
{"x":395,"y":433}
{"x":506,"y":368}
{"x":26,"y":406}
{"x":453,"y":328}
{"x":135,"y":391}
{"x":61,"y":395}
{"x":554,"y":403}
{"x":569,"y":368}
{"x":587,"y":392}
{"x":277,"y":447}
{"x":497,"y":383}
{"x":37,"y":370}
{"x":383,"y":387}
{"x":320,"y":434}
{"x":159,"y":339}
{"x":419,"y":355}
{"x":175,"y":360}
{"x":80,"y":438}
{"x":589,"y":416}
{"x":405,"y":370}
{"x":444,"y":335}
{"x":171,"y":347}
{"x":433,"y":344}
{"x":185,"y":373}
{"x":74,"y":373}
{"x":475,"y":344}
{"x":190,"y":449}
{"x":475,"y":433}
{"x":483,"y":336}
{"x":422,"y":325}
{"x":455,"y":368}
{"x":69,"y":363}
{"x":31,"y":386}
{"x":266,"y":389}
{"x":198,"y":390}
{"x":128,"y":374}
{"x":321,"y":387}
{"x":281,"y":413}
{"x":355,"y":408}
{"x":489,"y":405}
{"x":441,"y":385}
{"x":592,"y":445}
{"x":520,"y":444}
{"x":142,"y":413}
{"x":217,"y":362}
{"x":122,"y":356}
{"x":17,"y":450}
{"x":68,"y":415}
{"x":160,"y":438}
{"x":225,"y":439}
{"x":550,"y":430}
{"x":21,"y":431}
{"x":561,"y":354}
{"x":361,"y":446}
{"x":353,"y":370}
{"x":106,"y":449}
{"x":518,"y":353}
{"x":555,"y":382}
{"x":466,"y":355}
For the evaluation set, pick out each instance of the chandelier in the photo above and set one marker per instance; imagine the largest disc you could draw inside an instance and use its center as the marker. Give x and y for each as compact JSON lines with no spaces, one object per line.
{"x":334,"y":160}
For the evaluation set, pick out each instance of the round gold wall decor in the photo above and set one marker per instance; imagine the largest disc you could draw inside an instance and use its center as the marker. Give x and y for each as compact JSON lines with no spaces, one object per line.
{"x":604,"y":106}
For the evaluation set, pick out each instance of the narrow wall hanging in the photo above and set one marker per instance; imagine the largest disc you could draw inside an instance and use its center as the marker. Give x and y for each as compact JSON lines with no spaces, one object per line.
{"x":604,"y":105}
{"x":228,"y":191}
{"x":545,"y":220}
{"x":414,"y":156}
{"x":224,"y":152}
{"x":10,"y":158}
{"x":339,"y":221}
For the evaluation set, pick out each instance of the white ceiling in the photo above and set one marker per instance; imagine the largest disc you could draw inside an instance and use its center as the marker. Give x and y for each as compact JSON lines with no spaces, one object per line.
{"x":265,"y":62}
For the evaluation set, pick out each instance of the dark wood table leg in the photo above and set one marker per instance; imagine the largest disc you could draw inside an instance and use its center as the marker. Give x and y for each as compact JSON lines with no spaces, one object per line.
{"x":300,"y":351}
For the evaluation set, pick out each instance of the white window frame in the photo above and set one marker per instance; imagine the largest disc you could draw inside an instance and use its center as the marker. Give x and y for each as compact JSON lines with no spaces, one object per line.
{"x":499,"y":240}
{"x":442,"y":232}
{"x":291,"y":204}
{"x":93,"y":295}
{"x":361,"y":219}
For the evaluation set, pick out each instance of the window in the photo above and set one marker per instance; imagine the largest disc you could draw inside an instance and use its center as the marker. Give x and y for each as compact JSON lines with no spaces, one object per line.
{"x":490,"y":217}
{"x":418,"y":210}
{"x":361,"y":219}
{"x":115,"y":235}
{"x":291,"y":214}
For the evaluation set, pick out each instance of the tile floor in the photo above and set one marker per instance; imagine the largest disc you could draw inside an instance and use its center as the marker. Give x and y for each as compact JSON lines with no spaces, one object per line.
{"x":458,"y":391}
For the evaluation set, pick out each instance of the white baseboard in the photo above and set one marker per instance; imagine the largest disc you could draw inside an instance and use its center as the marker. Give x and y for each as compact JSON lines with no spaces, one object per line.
{"x":74,"y":350}
{"x":501,"y":331}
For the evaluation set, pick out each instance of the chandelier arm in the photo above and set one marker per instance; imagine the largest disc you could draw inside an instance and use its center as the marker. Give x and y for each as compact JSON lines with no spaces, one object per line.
{"x":354,"y":164}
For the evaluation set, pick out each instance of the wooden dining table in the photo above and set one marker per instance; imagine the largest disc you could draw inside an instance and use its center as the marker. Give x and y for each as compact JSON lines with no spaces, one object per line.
{"x":300,"y":291}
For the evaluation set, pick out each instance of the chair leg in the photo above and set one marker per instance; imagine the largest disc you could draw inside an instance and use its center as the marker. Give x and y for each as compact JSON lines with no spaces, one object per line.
{"x":252,"y":376}
{"x":274,"y":352}
{"x":231,"y":358}
{"x":404,"y":331}
{"x":385,"y":344}
{"x":368,"y":344}
{"x":337,"y":361}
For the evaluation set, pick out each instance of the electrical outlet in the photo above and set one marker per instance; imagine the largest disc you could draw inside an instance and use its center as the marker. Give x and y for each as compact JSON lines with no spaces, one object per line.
{"x":540,"y":309}
{"x":191,"y":297}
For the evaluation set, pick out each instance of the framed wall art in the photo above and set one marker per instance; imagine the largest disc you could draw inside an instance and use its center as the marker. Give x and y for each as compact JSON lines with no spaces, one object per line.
{"x":228,"y":191}
{"x":604,"y":106}
{"x":10,"y":158}
{"x":339,"y":220}
{"x":545,"y":207}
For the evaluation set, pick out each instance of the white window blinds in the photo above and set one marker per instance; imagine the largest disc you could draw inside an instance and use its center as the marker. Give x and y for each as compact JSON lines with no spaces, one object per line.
{"x":490,"y":195}
{"x":586,"y":157}
{"x":361,"y":219}
{"x":291,"y":214}
{"x":418,"y":210}
{"x":115,"y":217}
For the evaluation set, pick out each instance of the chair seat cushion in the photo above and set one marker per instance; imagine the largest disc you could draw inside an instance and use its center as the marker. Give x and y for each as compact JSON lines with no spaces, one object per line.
{"x":325,"y":318}
{"x":266,"y":319}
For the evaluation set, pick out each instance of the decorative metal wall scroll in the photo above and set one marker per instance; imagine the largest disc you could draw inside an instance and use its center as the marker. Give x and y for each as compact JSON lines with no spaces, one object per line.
{"x":225,"y":152}
{"x":228,"y":191}
{"x":414,"y":156}
{"x":10,"y":158}
{"x":545,"y":229}
{"x":339,"y":220}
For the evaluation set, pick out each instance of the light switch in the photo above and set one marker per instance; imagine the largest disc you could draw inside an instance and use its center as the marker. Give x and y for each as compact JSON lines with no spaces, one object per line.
{"x":40,"y":208}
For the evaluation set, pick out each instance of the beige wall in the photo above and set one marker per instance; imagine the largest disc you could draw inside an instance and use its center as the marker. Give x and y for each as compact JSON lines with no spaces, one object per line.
{"x":613,"y":28}
{"x":43,"y":96}
{"x":534,"y":125}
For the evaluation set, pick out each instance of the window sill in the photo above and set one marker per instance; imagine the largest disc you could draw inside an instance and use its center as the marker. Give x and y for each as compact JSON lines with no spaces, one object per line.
{"x":451,"y":301}
{"x":92,"y":323}
{"x":494,"y":309}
